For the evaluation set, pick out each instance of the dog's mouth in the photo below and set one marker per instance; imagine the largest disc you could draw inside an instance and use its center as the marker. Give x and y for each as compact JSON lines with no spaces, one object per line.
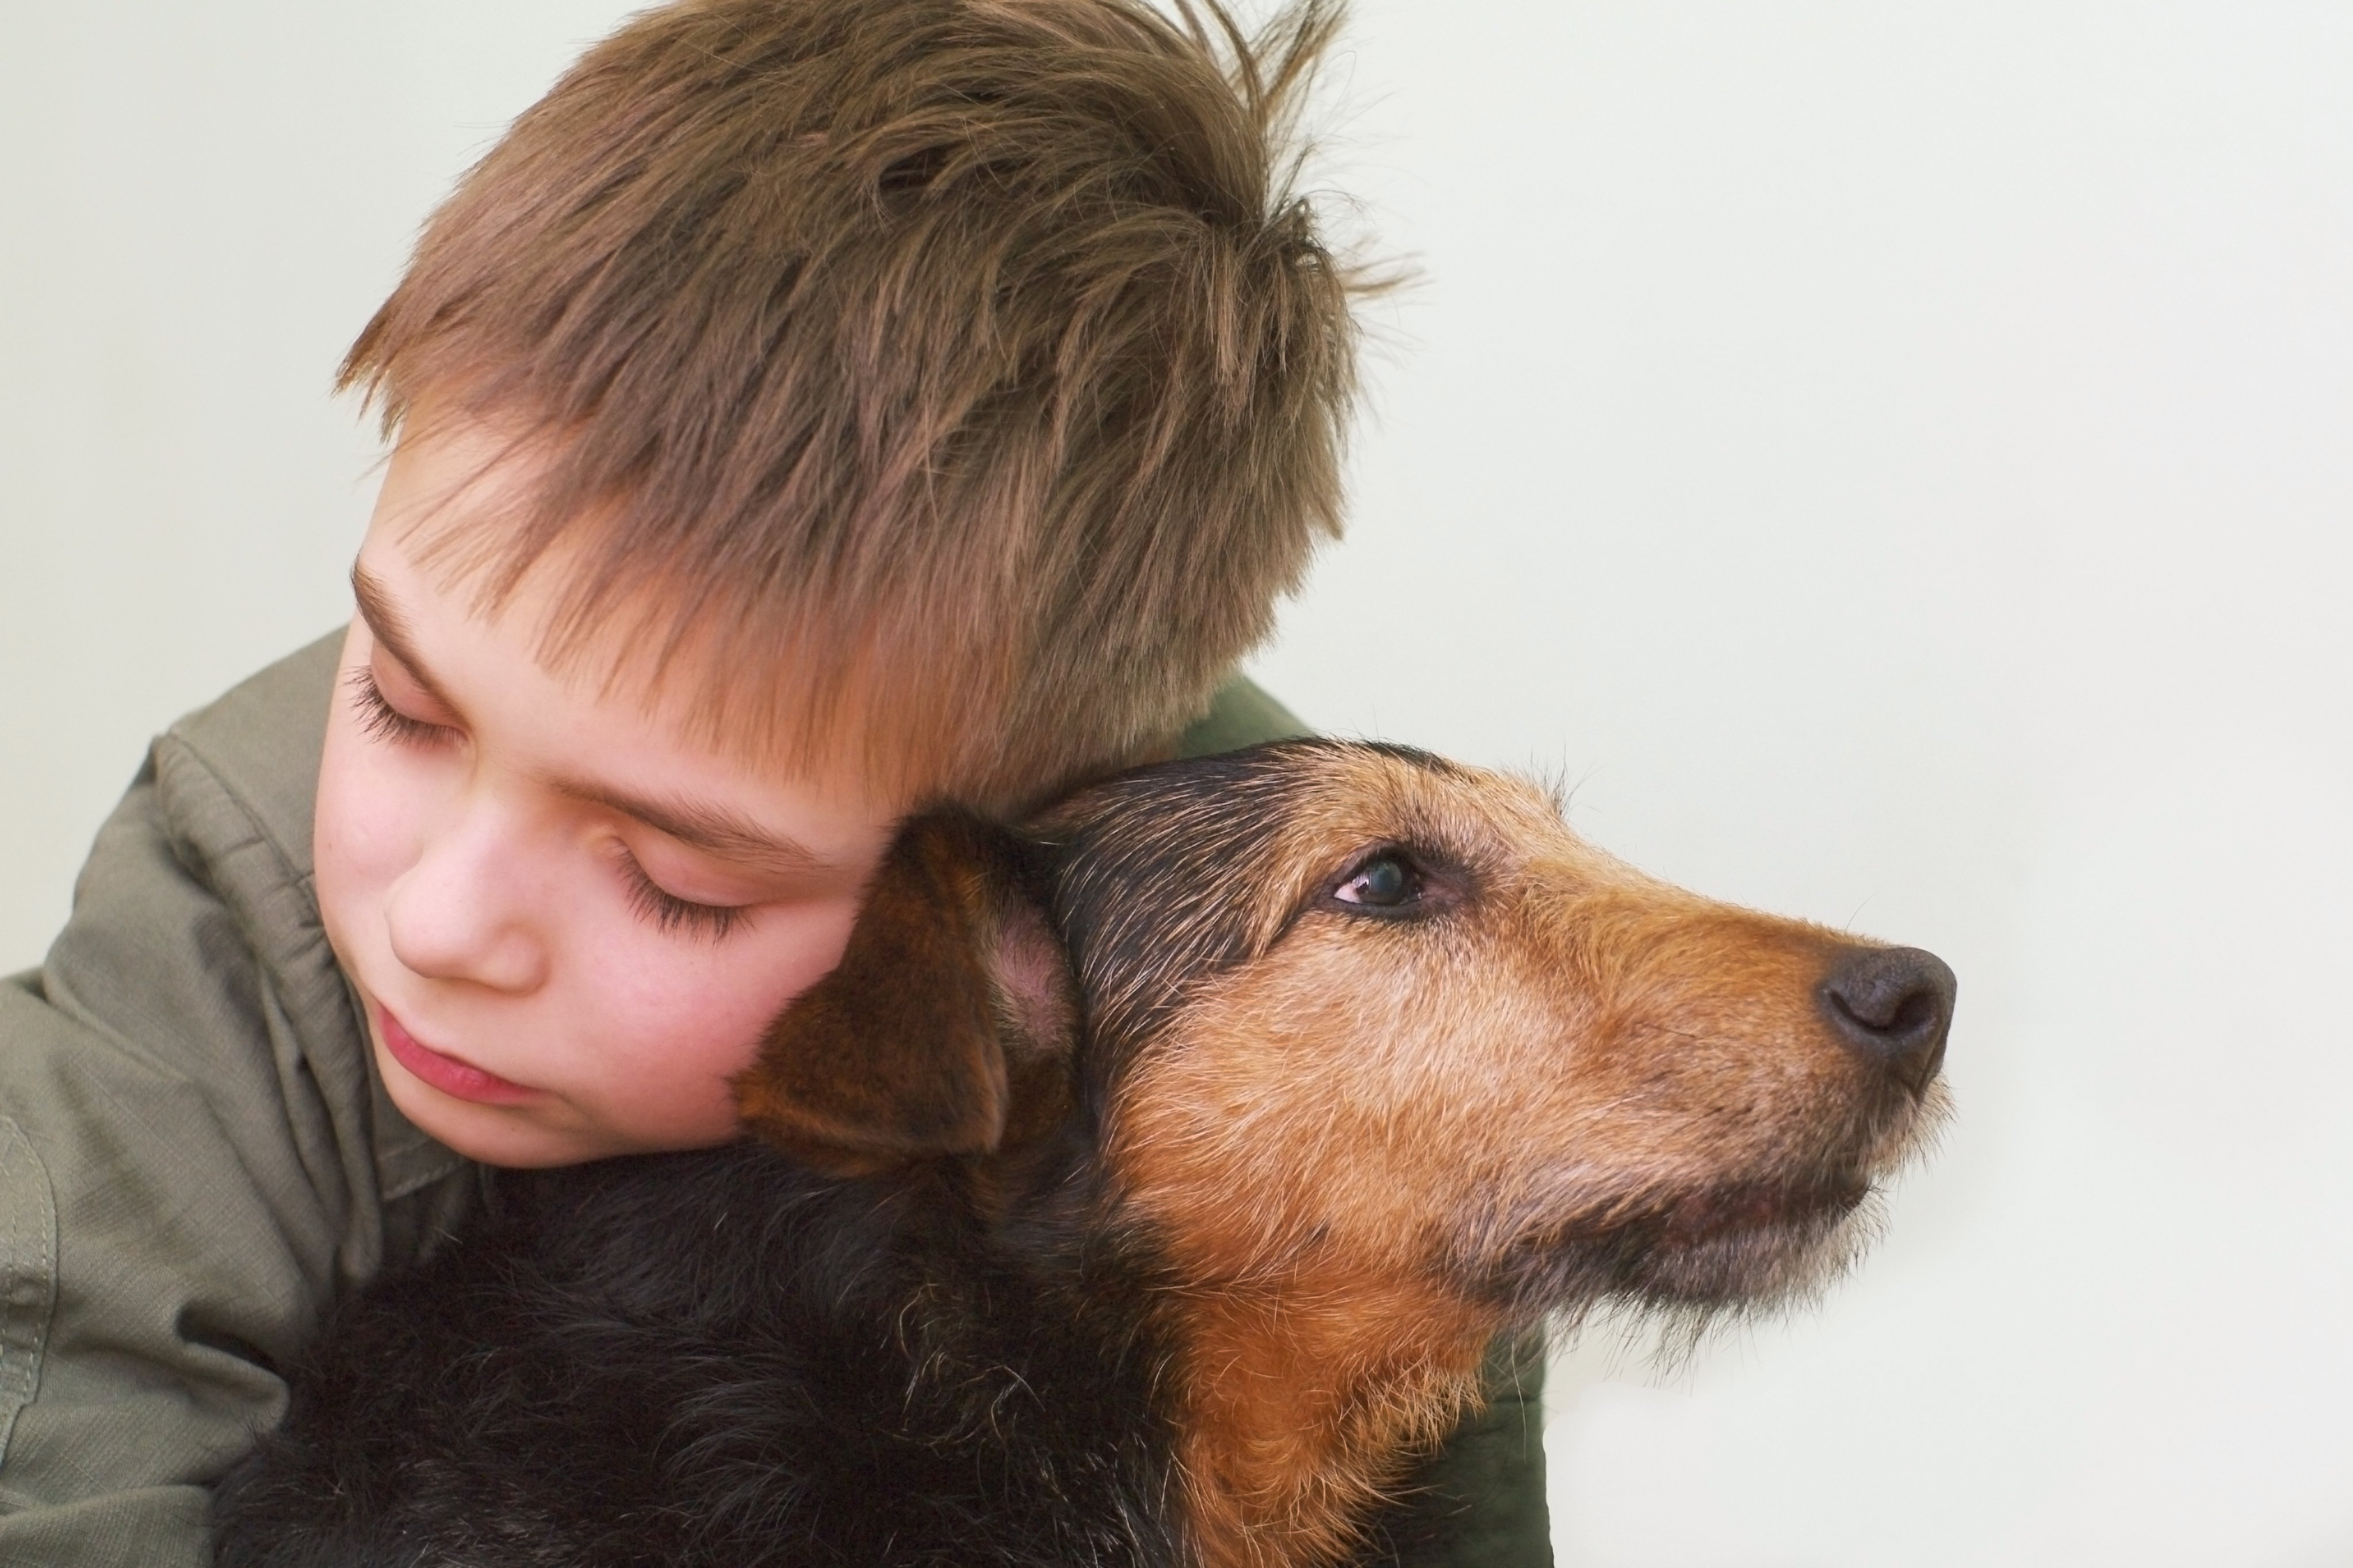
{"x":1756,"y":1211}
{"x":1723,"y":1246}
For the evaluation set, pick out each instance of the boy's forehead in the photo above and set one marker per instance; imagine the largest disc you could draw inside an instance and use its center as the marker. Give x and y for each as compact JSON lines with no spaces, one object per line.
{"x":633,"y":714}
{"x":452,"y":468}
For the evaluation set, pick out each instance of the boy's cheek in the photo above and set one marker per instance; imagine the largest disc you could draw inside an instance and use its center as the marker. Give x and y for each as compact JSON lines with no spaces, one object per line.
{"x":639,"y":1033}
{"x":359,"y":835}
{"x":695,"y":1011}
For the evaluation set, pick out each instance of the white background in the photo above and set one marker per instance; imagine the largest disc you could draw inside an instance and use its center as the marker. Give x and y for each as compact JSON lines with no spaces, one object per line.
{"x":1892,"y":459}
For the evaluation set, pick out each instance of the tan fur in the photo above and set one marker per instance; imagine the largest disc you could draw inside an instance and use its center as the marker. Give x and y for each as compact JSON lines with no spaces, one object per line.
{"x":1303,"y":1414}
{"x":1327,"y":1135}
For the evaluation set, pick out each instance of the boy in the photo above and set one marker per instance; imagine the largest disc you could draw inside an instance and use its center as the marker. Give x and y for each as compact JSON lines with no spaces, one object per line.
{"x":810,"y":408}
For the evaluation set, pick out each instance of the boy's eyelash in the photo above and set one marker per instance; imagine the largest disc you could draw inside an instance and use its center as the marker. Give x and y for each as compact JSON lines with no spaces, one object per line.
{"x":380,"y":719}
{"x":669,"y":913}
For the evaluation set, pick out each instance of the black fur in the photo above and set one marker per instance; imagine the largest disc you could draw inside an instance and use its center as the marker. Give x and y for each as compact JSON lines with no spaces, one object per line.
{"x":721,"y":1358}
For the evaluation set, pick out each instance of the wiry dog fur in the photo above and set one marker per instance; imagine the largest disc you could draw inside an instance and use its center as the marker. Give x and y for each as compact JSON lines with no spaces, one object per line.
{"x":1142,"y":1189}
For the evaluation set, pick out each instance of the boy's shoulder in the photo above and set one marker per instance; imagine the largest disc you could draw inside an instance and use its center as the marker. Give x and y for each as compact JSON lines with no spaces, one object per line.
{"x":196,"y":949}
{"x":1240,"y":715}
{"x":260,"y":743}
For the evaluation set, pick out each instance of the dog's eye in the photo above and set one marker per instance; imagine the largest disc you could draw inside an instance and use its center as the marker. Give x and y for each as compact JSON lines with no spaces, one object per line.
{"x":1387,"y":881}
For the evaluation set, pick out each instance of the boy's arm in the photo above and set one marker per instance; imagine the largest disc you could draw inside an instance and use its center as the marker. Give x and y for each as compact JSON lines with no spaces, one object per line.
{"x":188,"y":1169}
{"x":160,"y":1253}
{"x":1479,"y":1502}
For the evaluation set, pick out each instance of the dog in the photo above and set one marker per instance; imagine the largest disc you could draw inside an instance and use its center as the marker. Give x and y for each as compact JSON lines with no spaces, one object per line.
{"x":1143,"y":1188}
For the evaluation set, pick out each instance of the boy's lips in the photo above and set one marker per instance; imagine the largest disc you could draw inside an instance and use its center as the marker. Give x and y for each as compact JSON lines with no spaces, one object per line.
{"x":460,"y":1080}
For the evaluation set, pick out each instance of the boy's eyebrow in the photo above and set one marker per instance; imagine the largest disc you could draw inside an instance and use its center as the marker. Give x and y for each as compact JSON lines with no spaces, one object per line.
{"x":700,"y":825}
{"x":390,"y":628}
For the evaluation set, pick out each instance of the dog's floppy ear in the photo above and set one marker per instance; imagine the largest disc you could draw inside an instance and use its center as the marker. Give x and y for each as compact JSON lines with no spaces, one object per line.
{"x":950,"y":997}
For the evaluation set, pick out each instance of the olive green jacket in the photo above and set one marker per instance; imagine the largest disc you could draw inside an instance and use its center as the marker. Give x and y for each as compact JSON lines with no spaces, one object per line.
{"x":197,"y":1160}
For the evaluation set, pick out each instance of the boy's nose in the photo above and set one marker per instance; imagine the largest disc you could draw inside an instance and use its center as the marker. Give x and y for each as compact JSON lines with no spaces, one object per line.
{"x":450,"y":918}
{"x":1893,"y":1006}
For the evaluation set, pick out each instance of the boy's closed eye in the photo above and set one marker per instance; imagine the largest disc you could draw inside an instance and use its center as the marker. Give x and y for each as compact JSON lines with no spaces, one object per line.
{"x":672,"y":913}
{"x":677,"y":889}
{"x":384,"y":721}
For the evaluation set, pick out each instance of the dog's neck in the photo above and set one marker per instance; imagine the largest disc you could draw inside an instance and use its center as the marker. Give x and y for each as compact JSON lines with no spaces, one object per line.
{"x":1302,"y":1407}
{"x":1298,"y":1401}
{"x":1301,"y":1396}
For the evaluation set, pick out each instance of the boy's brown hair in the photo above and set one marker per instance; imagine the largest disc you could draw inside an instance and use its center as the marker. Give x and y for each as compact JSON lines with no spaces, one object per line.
{"x":955,"y":382}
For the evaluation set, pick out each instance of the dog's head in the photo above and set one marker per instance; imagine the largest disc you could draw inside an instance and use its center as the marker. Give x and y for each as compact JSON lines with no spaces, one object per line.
{"x":1348,"y":1012}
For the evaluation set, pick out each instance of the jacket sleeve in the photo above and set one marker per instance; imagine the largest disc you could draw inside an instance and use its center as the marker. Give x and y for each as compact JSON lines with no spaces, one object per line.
{"x":1479,"y":1502}
{"x":189,"y":1173}
{"x":166,"y":1248}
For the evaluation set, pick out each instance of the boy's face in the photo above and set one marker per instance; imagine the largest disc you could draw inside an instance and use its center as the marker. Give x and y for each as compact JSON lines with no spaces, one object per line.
{"x":569,"y":925}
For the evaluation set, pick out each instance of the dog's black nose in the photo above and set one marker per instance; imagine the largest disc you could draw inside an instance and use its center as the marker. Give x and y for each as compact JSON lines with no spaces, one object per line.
{"x":1893,"y":1006}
